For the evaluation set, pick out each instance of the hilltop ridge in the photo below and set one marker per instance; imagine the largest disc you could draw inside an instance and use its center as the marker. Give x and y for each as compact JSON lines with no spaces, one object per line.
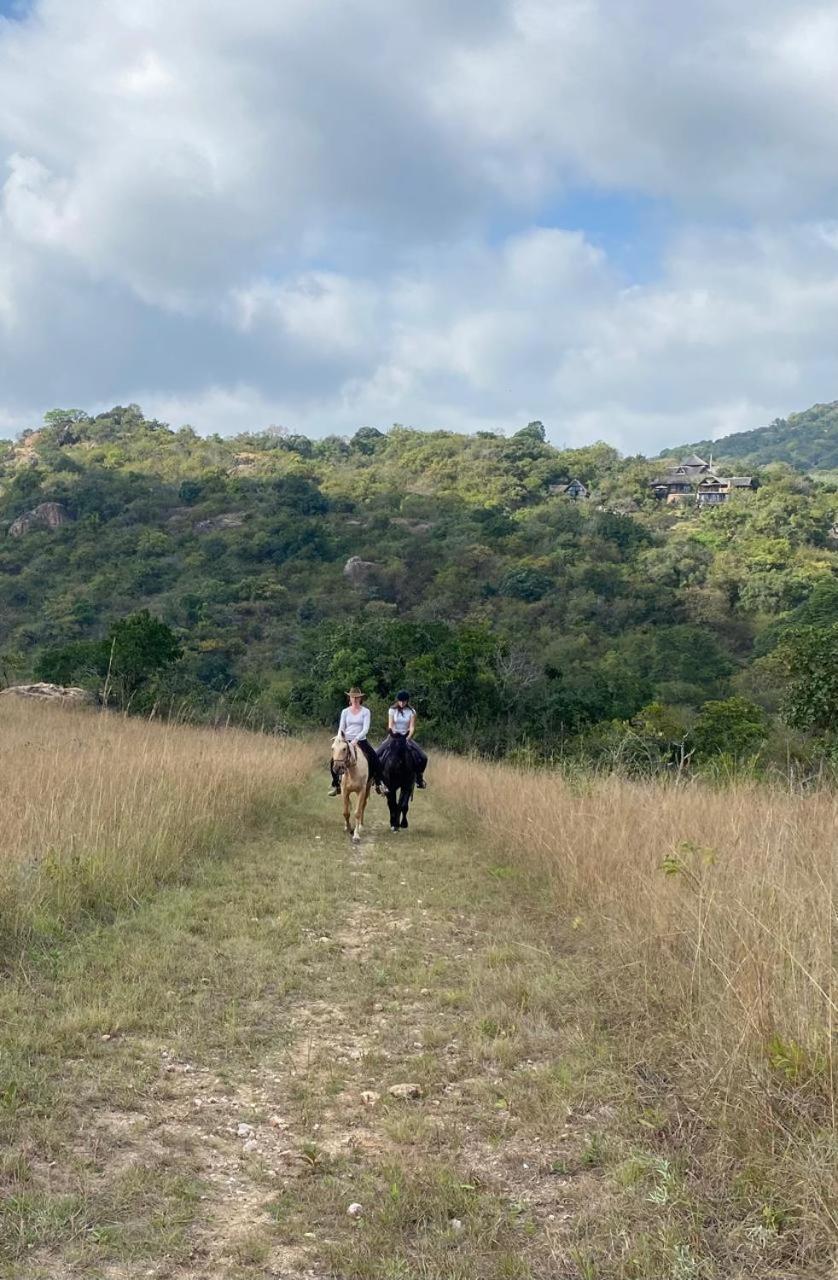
{"x":807,"y":441}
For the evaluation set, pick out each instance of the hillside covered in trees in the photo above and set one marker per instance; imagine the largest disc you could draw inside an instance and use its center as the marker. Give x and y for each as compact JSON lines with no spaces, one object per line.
{"x":807,"y":441}
{"x":276,"y":570}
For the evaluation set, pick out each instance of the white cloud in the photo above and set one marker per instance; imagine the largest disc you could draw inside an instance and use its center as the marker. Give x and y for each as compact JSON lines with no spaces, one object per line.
{"x":291,"y":211}
{"x":740,"y":328}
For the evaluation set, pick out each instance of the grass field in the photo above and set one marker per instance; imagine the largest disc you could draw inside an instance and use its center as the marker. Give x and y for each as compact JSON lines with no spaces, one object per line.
{"x":620,"y":1040}
{"x":99,"y":809}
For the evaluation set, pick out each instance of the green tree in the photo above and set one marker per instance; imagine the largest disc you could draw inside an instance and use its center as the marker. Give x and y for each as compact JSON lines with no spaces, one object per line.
{"x":532,"y":431}
{"x":807,"y":657}
{"x":730,"y":726}
{"x":138,"y":647}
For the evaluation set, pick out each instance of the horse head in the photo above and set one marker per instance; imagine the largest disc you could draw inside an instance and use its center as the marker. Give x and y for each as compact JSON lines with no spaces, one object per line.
{"x":341,"y":754}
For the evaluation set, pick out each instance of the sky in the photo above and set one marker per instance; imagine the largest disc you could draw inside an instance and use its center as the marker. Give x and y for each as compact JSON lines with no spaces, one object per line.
{"x":617,"y":216}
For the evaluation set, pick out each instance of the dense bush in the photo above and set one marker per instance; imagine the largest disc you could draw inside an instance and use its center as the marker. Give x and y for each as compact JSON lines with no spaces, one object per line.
{"x":275,"y":571}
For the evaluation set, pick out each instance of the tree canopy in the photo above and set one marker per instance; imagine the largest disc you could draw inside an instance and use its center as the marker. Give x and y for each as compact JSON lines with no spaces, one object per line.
{"x":265,"y":572}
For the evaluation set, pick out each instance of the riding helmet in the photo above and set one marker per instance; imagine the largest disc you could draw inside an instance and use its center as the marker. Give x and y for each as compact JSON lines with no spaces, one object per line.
{"x":402,"y":696}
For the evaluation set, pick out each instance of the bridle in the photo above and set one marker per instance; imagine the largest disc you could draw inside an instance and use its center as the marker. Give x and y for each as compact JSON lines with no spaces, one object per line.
{"x":340,"y":766}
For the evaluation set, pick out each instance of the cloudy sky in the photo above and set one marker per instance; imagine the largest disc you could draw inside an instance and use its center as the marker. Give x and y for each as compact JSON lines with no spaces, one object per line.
{"x":618,"y":216}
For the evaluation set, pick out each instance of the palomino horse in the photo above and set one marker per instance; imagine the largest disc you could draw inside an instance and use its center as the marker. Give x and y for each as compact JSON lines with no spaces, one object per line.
{"x":351,"y":767}
{"x":399,"y":774}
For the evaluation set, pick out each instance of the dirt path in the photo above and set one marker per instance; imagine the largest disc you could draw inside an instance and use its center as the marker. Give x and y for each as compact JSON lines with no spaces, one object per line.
{"x":307,"y":1027}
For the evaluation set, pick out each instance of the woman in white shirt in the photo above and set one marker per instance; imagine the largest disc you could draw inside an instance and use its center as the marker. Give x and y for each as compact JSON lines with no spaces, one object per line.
{"x":354,"y":726}
{"x":402,"y":720}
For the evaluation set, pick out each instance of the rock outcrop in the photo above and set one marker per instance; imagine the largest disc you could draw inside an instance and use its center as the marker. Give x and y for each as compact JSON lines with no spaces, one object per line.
{"x":358,"y":571}
{"x":227,"y":520}
{"x":47,"y":515}
{"x":57,"y":693}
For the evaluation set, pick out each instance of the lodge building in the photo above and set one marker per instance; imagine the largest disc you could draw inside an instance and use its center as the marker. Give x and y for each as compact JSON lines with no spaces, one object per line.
{"x":695,"y":480}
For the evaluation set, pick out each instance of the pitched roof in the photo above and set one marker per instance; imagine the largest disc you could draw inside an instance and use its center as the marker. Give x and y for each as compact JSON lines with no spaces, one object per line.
{"x":693,"y":461}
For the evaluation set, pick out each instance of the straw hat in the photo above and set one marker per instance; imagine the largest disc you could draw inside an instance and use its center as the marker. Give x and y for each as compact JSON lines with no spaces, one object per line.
{"x":355,"y":692}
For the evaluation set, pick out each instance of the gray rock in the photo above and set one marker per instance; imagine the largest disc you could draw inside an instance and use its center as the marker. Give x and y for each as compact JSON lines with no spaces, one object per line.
{"x":47,"y":515}
{"x":57,"y":693}
{"x":358,"y":571}
{"x":227,"y":520}
{"x":405,"y":1091}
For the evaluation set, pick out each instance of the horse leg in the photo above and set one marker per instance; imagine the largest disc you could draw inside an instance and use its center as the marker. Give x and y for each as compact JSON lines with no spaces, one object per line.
{"x":404,"y":804}
{"x":345,"y":792}
{"x":393,"y":806}
{"x":360,"y":807}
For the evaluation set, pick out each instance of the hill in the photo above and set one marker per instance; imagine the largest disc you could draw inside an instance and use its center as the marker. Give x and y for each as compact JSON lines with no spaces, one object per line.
{"x":807,"y":441}
{"x":278,"y":570}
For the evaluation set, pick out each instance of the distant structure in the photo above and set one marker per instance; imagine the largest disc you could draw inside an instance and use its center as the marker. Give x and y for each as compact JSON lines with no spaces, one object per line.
{"x":695,"y":480}
{"x":572,"y":489}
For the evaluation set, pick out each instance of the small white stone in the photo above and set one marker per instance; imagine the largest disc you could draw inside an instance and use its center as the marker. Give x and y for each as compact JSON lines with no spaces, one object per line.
{"x":245,"y":1130}
{"x":369,"y":1097}
{"x":456,"y":1225}
{"x":277,"y":1122}
{"x":106,"y":1036}
{"x":355,"y":1210}
{"x":250,"y":1145}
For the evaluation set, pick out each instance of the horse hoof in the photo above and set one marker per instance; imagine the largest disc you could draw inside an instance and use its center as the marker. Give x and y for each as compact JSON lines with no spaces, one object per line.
{"x":394,"y":829}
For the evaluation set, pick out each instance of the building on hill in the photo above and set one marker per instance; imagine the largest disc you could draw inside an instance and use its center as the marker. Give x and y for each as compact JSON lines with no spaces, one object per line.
{"x":695,"y":480}
{"x":571,"y":489}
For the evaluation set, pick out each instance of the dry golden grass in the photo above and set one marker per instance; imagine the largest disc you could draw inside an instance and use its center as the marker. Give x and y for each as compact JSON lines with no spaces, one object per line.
{"x":710,"y":915}
{"x":99,"y":808}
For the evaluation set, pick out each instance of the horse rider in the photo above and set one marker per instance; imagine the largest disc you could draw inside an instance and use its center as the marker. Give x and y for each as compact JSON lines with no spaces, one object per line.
{"x":401,"y":720}
{"x":354,"y":727}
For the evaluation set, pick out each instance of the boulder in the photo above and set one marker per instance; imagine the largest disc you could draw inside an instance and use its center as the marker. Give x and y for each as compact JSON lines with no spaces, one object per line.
{"x":63,"y":694}
{"x":227,"y":520}
{"x":47,"y":515}
{"x":358,"y":571}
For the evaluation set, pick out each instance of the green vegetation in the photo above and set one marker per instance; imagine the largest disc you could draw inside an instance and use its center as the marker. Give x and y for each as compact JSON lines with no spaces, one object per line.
{"x":808,"y":441}
{"x":257,"y":576}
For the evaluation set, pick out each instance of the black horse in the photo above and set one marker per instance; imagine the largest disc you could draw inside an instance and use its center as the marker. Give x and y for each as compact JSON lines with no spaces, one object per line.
{"x":398,"y":773}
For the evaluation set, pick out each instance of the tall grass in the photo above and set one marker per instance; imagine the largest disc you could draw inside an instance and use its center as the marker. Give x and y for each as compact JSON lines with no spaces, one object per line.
{"x":98,"y":809}
{"x":711,"y":917}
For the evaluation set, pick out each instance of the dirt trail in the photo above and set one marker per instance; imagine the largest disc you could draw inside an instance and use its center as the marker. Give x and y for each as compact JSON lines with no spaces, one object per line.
{"x":420,"y":977}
